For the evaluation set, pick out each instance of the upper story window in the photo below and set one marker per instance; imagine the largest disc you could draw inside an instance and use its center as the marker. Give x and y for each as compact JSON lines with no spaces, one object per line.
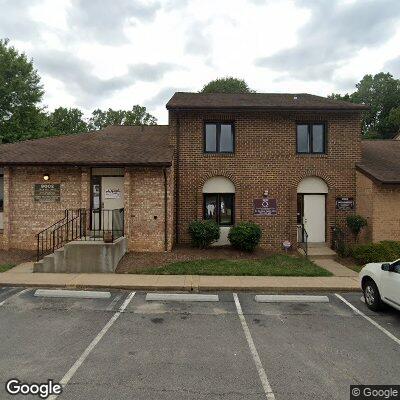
{"x":311,"y":138}
{"x":219,"y":137}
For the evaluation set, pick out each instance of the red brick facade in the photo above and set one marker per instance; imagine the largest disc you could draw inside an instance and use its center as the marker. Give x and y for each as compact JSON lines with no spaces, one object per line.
{"x":144,"y":204}
{"x":265,"y":158}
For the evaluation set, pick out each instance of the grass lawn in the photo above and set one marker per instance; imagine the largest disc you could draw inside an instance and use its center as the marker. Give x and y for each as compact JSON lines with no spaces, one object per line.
{"x":6,"y":267}
{"x":276,"y":265}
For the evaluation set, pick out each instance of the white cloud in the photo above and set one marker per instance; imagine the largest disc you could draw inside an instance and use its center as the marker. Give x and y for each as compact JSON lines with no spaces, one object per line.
{"x":124,"y":52}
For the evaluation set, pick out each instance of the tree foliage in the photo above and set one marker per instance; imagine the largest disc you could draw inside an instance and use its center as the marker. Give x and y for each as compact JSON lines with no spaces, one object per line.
{"x":227,"y":85}
{"x":21,"y":116}
{"x":382,"y":93}
{"x":137,"y":116}
{"x":64,"y":121}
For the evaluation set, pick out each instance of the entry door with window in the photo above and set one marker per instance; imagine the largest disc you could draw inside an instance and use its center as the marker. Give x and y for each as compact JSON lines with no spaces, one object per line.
{"x":107,"y":201}
{"x":314,"y":217}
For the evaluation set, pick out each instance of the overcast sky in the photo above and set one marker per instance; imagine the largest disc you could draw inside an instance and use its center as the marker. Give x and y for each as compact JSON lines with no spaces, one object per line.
{"x":117,"y":53}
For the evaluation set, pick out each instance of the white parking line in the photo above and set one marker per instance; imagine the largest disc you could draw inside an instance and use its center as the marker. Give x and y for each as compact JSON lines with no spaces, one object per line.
{"x":181,"y":297}
{"x":260,"y":369}
{"x":381,"y":328}
{"x":67,"y":377}
{"x":14,"y":296}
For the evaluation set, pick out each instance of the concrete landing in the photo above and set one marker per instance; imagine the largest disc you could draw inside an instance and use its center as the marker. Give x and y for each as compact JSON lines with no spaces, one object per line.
{"x":84,"y":257}
{"x":319,"y":250}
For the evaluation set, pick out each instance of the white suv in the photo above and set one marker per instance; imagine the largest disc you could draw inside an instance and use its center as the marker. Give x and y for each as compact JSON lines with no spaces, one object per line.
{"x":380,"y":283}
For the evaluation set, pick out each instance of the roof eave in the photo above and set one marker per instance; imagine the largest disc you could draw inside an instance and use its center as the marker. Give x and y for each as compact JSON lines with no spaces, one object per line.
{"x":269,"y":108}
{"x":86,"y":164}
{"x":376,"y":178}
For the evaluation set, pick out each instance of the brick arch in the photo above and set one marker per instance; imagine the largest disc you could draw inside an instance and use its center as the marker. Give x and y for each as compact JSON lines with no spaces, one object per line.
{"x":314,"y":174}
{"x":215,"y":173}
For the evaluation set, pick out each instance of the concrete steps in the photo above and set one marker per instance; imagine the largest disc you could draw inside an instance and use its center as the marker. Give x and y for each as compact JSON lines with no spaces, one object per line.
{"x":84,"y":256}
{"x":319,"y":251}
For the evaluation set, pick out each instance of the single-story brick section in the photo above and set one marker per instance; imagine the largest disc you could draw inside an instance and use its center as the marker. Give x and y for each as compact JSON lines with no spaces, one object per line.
{"x":378,"y":189}
{"x":285,"y":161}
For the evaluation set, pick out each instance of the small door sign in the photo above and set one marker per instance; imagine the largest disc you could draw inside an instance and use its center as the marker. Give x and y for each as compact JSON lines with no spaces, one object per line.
{"x":345,"y":203}
{"x":112,"y":193}
{"x":264,"y":206}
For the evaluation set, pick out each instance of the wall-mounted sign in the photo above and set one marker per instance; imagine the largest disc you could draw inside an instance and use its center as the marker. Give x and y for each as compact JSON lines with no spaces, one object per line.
{"x":264,"y":206}
{"x":112,"y":194}
{"x":345,"y":203}
{"x":47,"y":192}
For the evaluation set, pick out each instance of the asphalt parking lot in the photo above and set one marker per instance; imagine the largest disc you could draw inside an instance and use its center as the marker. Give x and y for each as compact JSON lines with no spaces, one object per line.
{"x":125,"y":347}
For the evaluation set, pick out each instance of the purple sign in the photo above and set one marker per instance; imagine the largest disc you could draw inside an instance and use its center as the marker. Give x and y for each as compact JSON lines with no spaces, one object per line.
{"x":264,"y":206}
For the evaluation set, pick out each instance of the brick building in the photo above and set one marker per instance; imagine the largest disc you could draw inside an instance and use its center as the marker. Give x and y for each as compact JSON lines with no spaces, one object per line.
{"x":298,"y":152}
{"x":281,"y":160}
{"x":378,"y":189}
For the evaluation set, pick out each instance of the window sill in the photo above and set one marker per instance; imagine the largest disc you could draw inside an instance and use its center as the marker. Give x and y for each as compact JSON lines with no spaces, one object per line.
{"x":312,"y":154}
{"x":219,"y":154}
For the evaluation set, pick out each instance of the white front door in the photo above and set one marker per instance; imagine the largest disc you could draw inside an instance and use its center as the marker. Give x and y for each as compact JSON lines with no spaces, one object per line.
{"x":314,"y":217}
{"x":112,"y":197}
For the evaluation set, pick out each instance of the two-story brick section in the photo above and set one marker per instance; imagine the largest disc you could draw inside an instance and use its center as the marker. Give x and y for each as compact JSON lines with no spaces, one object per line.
{"x":280,"y":160}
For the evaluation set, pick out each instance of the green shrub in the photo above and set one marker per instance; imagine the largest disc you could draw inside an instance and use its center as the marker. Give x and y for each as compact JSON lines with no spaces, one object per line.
{"x":376,"y":252}
{"x":245,"y":236}
{"x":203,"y":233}
{"x":355,"y":224}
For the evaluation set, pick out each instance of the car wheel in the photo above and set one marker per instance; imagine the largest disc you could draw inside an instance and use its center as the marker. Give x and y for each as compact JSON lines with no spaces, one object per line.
{"x":372,"y":296}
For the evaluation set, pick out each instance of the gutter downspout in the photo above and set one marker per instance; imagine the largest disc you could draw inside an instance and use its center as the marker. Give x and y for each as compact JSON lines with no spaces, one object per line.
{"x":178,"y":124}
{"x":165,"y":210}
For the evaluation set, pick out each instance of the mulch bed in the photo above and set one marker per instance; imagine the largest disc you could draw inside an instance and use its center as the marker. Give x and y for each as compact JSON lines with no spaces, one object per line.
{"x":135,"y":261}
{"x":15,"y":256}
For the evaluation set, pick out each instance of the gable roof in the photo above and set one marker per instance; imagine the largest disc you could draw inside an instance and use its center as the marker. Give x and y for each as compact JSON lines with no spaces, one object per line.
{"x":381,"y":160}
{"x":264,"y":101}
{"x":113,"y":145}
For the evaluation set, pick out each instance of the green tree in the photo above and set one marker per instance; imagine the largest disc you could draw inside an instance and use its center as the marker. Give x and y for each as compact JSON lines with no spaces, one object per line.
{"x":21,"y":116}
{"x":63,"y":121}
{"x":137,"y":116}
{"x":394,"y":118}
{"x":382,"y":93}
{"x":227,"y":85}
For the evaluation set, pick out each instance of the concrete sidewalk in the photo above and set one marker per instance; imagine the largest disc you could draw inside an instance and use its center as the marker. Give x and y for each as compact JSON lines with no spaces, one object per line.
{"x":22,"y":276}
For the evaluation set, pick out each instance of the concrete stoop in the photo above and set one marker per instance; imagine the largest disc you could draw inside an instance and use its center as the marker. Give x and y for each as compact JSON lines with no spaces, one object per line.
{"x":319,"y":251}
{"x":84,"y":256}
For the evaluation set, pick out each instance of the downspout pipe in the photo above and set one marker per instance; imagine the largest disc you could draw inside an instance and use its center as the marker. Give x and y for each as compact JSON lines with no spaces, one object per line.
{"x":165,"y":210}
{"x":177,"y":179}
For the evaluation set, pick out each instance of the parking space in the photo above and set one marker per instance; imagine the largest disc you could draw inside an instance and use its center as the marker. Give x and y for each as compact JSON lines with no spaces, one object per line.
{"x":171,"y":349}
{"x":319,"y":350}
{"x":42,"y":338}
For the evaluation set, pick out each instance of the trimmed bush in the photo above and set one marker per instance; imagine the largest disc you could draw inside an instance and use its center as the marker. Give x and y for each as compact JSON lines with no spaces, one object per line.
{"x":245,"y":236}
{"x":355,"y":224}
{"x":203,"y":233}
{"x":376,"y":252}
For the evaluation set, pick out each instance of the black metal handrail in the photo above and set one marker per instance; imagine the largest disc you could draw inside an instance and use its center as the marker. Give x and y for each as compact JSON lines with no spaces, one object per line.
{"x":303,"y":242}
{"x":81,"y":224}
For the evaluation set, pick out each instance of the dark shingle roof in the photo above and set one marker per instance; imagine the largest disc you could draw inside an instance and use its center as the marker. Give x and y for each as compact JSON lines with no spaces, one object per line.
{"x":114,"y":145}
{"x":272,"y":101}
{"x":380,"y":160}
